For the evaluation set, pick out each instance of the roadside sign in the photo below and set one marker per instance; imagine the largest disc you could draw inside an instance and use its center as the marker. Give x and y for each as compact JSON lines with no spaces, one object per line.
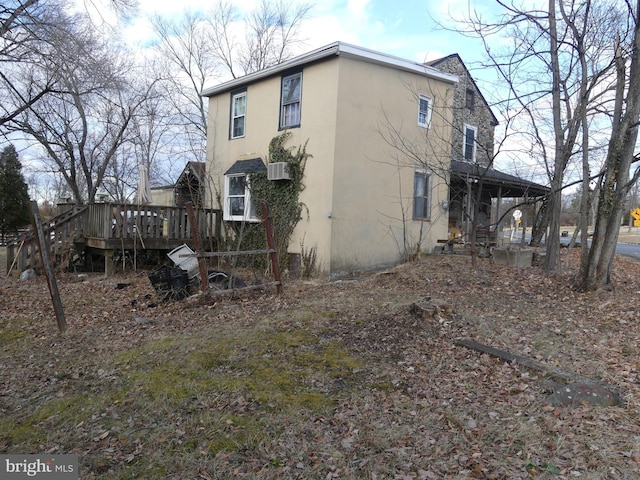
{"x":517,"y":215}
{"x":636,"y":214}
{"x":636,"y":223}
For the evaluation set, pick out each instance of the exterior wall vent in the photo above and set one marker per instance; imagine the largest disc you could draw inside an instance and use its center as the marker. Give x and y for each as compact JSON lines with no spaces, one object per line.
{"x":278,"y":171}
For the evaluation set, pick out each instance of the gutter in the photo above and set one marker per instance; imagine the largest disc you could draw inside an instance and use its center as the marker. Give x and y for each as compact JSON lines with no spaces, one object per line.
{"x":337,"y":49}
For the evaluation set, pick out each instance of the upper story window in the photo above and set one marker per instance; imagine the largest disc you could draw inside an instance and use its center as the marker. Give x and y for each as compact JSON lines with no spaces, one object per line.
{"x":421,"y":196}
{"x":470,"y":141}
{"x":470,"y":98}
{"x":238,"y":114}
{"x":424,"y":111}
{"x":290,"y":100}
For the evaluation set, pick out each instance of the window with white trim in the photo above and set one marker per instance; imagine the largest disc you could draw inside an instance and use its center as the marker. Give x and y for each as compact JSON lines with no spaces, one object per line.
{"x":470,"y":141}
{"x":424,"y":111}
{"x":237,"y":202}
{"x":238,"y":114}
{"x":291,"y":96}
{"x":421,"y":197}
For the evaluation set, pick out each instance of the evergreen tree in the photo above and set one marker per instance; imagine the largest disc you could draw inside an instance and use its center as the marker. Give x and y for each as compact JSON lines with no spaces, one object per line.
{"x":15,"y":209}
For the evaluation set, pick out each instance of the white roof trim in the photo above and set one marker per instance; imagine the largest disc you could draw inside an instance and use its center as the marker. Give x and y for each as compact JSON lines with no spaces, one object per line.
{"x":337,"y":49}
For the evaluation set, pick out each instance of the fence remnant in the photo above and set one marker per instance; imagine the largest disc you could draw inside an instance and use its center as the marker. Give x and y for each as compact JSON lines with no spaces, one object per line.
{"x":48,"y":269}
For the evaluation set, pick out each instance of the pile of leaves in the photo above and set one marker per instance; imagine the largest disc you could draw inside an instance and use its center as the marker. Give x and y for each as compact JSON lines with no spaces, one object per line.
{"x":327,"y":380}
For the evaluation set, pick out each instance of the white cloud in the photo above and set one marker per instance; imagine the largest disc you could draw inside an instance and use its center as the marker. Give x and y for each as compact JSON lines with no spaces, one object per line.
{"x":358,"y":8}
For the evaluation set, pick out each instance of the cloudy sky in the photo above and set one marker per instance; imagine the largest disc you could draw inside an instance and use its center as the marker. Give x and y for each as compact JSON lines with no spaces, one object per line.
{"x":410,"y":29}
{"x":407,"y":28}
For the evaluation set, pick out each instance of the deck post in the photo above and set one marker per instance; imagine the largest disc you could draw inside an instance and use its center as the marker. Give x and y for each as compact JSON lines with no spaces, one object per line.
{"x":108,"y":263}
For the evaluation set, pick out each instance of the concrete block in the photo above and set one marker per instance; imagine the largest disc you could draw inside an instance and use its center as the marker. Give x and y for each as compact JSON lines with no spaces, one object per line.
{"x":514,"y":257}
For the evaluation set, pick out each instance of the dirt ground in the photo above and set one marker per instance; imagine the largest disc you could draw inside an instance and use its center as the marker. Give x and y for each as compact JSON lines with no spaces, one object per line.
{"x":327,"y":380}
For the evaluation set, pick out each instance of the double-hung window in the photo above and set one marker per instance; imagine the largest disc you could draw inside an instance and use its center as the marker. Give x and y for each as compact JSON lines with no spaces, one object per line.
{"x":238,"y":114}
{"x":421,"y":203}
{"x":470,"y":140}
{"x":291,"y":97}
{"x":424,"y":111}
{"x":238,"y":205}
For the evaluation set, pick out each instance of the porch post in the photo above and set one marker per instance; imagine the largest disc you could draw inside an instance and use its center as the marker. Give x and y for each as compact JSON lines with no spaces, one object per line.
{"x":467,"y":226}
{"x":499,"y":224}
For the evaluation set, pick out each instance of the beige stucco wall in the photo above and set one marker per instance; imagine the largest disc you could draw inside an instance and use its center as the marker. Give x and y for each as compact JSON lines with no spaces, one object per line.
{"x":373,"y":184}
{"x":355,"y":194}
{"x":318,"y":120}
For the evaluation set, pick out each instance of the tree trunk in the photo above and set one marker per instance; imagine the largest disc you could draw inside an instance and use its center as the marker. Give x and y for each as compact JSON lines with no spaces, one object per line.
{"x":552,"y":259}
{"x":620,"y":154}
{"x":540,"y":223}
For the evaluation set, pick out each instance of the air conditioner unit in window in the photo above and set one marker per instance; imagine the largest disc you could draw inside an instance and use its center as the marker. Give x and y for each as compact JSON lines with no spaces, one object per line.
{"x":278,"y":171}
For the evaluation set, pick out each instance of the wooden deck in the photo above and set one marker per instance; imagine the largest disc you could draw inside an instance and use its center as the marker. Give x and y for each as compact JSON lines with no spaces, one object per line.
{"x":104,"y":228}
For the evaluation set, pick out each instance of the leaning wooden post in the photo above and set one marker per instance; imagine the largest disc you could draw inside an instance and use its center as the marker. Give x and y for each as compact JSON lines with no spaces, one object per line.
{"x":273,"y":253}
{"x":204,"y":279}
{"x":46,"y":262}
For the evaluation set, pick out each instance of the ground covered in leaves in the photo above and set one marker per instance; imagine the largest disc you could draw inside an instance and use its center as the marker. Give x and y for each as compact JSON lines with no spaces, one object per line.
{"x":327,"y":380}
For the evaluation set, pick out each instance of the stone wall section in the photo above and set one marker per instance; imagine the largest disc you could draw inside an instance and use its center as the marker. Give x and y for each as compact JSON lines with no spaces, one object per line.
{"x":479,"y":115}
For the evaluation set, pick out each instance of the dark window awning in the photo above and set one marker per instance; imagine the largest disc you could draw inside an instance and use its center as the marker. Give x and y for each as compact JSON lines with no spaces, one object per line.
{"x":495,"y":182}
{"x":253,"y":165}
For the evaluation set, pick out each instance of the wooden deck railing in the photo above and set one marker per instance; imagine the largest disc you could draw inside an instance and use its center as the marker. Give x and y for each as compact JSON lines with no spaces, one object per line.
{"x":109,"y":226}
{"x":111,"y":221}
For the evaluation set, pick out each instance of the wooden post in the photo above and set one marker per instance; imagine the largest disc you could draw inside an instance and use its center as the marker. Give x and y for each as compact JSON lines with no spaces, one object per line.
{"x":204,"y":278}
{"x":273,"y":254}
{"x":109,"y":267}
{"x":46,"y":261}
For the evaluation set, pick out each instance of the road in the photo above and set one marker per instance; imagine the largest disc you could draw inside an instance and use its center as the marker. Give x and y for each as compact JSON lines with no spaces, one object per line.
{"x":629,"y":244}
{"x":629,"y":250}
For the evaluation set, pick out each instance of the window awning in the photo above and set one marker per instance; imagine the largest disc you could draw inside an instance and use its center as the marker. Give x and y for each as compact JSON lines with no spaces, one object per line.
{"x":253,"y":165}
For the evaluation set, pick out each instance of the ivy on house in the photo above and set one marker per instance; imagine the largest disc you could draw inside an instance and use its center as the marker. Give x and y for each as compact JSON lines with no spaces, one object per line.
{"x":281,"y":196}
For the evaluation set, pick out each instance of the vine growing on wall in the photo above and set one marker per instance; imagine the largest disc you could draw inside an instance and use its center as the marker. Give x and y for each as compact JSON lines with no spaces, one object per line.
{"x":281,"y":196}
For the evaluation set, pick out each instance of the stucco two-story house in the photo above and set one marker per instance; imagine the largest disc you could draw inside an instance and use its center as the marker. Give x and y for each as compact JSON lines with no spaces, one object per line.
{"x":369,"y":203}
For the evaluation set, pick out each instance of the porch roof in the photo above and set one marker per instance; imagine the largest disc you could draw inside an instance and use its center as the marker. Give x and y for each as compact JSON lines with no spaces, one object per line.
{"x":495,"y":182}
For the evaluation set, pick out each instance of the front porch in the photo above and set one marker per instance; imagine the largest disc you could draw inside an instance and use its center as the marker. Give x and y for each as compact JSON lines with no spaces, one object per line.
{"x":471,"y":183}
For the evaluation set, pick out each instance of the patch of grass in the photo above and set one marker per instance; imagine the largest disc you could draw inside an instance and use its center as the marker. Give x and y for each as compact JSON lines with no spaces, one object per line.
{"x":227,"y":393}
{"x":34,"y":426}
{"x":224,"y":393}
{"x":9,"y":333}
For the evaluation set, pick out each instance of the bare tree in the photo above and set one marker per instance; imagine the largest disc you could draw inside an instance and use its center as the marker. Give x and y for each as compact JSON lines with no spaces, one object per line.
{"x":188,"y":63}
{"x":557,"y":67}
{"x":616,"y":181}
{"x":82,"y":126}
{"x":202,"y":48}
{"x":28,"y":31}
{"x":25,"y":28}
{"x":272,"y":32}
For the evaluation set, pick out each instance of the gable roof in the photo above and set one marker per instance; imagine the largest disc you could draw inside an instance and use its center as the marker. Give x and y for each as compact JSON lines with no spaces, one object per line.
{"x":335,"y":49}
{"x":197,"y":169}
{"x":439,"y":61}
